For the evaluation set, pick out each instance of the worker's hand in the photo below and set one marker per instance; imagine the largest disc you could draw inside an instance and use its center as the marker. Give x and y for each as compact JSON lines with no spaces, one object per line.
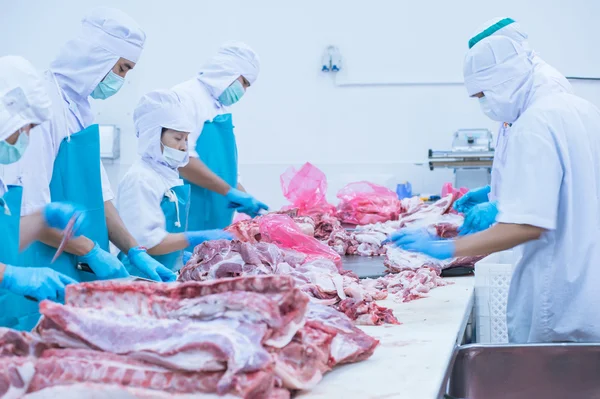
{"x":198,"y":237}
{"x":472,"y":198}
{"x":36,"y":282}
{"x":407,"y":236}
{"x":479,"y":218}
{"x":245,"y":203}
{"x":186,"y":257}
{"x":104,"y":265}
{"x":58,"y":214}
{"x":426,"y":244}
{"x":150,"y":266}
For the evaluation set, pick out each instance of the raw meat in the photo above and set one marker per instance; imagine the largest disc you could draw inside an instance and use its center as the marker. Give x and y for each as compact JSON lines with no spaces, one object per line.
{"x":72,"y":366}
{"x":219,"y":345}
{"x":271,"y":300}
{"x":397,"y":260}
{"x":350,"y":343}
{"x":104,"y":391}
{"x":16,"y":373}
{"x":19,"y":343}
{"x":366,"y":203}
{"x":329,"y":229}
{"x":429,"y":212}
{"x":409,"y":285}
{"x":366,"y":313}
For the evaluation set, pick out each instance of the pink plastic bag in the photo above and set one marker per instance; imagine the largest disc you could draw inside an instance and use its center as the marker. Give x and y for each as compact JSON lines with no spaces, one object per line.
{"x":366,"y":203}
{"x":282,"y":231}
{"x":306,"y":189}
{"x":448,"y":188}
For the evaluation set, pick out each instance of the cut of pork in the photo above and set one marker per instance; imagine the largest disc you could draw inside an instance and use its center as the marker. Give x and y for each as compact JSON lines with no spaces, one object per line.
{"x":19,"y":343}
{"x":219,"y":345}
{"x":16,"y":373}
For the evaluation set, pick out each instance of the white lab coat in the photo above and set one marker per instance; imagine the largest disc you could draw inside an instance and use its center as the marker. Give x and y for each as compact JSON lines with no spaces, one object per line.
{"x":552,"y":180}
{"x":139,"y":197}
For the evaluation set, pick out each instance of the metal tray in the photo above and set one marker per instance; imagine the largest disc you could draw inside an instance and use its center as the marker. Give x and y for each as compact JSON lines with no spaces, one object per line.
{"x":545,"y":371}
{"x":363,"y":266}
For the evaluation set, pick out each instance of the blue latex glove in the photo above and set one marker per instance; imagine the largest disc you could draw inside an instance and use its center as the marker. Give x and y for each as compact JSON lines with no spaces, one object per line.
{"x":426,"y":244}
{"x":39,"y":283}
{"x":104,"y":265}
{"x":245,"y":203}
{"x":479,"y":218}
{"x":58,"y":214}
{"x":472,"y":198}
{"x":198,"y":237}
{"x":406,"y":236}
{"x":150,"y":266}
{"x":186,"y":257}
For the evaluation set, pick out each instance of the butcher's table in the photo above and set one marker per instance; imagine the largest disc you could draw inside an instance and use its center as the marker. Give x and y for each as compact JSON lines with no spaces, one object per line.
{"x":412,"y":359}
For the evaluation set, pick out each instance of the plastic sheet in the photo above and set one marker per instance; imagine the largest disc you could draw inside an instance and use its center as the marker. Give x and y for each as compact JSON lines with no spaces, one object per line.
{"x":306,"y":189}
{"x":282,"y":231}
{"x":366,"y":203}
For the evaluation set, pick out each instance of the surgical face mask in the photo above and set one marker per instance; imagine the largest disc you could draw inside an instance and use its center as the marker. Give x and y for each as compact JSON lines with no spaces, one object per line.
{"x":174,"y":157}
{"x":487,"y":109}
{"x":11,"y":153}
{"x":232,"y":94}
{"x":109,"y":86}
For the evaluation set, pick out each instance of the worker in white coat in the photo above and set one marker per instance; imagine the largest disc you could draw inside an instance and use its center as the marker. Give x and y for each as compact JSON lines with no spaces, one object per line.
{"x":152,"y":200}
{"x":24,"y":104}
{"x":552,"y":157}
{"x":479,"y":205}
{"x":66,"y":156}
{"x":213,"y":168}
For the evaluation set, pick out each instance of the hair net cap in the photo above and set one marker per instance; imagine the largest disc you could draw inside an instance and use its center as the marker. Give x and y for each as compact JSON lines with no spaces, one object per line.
{"x":492,"y":62}
{"x":234,"y":59}
{"x":114,"y":31}
{"x":23,"y":96}
{"x":156,"y":110}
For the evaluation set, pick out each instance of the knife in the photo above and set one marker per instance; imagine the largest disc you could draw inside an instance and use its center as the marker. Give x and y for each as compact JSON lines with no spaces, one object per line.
{"x":67,"y":235}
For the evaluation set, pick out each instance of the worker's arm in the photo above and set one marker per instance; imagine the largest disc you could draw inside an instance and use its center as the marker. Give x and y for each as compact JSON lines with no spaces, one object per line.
{"x":199,"y":174}
{"x":497,"y":238}
{"x":117,"y":232}
{"x":241,"y":188}
{"x":31,"y":228}
{"x":76,"y":246}
{"x":171,"y":243}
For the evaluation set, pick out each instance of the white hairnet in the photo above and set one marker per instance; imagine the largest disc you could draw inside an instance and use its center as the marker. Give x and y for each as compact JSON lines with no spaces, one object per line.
{"x":500,"y":68}
{"x":107,"y":34}
{"x":544,"y":73}
{"x":23,"y":96}
{"x":156,"y":110}
{"x":234,"y":59}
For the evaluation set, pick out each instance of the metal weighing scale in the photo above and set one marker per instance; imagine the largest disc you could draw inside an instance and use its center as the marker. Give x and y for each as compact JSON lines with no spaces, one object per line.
{"x":471,"y":158}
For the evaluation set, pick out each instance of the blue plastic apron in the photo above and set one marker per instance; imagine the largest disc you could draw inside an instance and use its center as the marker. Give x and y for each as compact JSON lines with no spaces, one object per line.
{"x":175,"y":206}
{"x":217,"y":148}
{"x":10,"y":217}
{"x":76,"y":178}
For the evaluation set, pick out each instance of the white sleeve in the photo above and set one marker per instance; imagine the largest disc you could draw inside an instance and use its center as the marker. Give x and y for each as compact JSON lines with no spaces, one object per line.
{"x":531,"y":181}
{"x":139,"y":208}
{"x":107,"y":193}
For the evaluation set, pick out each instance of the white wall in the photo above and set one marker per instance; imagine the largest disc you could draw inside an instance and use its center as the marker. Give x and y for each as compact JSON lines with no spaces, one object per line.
{"x":295,"y":113}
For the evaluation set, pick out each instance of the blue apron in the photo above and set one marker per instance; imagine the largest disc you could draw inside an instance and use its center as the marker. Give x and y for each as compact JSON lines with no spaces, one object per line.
{"x":217,"y":148}
{"x":76,"y":178}
{"x":11,"y":305}
{"x":175,"y":206}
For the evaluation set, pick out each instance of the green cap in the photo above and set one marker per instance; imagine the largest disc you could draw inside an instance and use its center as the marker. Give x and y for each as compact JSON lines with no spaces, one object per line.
{"x":490,"y":31}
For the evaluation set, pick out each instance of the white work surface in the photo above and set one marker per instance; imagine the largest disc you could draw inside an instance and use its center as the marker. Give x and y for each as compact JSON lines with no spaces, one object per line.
{"x":413,"y":357}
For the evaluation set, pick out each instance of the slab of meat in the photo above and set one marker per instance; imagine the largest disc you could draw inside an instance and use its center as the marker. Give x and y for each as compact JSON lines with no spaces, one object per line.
{"x":16,"y":373}
{"x":427,"y":212}
{"x":397,"y":260}
{"x":366,"y":313}
{"x":350,"y":344}
{"x":219,"y":345}
{"x":19,"y":343}
{"x":409,"y":285}
{"x":73,"y":366}
{"x":271,"y":300}
{"x":106,"y":391}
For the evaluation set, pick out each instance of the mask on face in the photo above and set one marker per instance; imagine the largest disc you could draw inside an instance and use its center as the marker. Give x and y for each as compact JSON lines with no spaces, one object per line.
{"x":109,"y":86}
{"x":10,"y":153}
{"x":487,"y":109}
{"x":232,"y":94}
{"x":174,"y":157}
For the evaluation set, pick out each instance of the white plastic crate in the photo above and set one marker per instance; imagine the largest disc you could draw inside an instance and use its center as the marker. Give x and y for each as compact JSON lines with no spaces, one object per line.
{"x":492,"y":281}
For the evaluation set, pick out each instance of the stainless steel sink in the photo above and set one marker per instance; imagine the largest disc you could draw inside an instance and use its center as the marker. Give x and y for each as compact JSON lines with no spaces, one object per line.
{"x":545,"y":371}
